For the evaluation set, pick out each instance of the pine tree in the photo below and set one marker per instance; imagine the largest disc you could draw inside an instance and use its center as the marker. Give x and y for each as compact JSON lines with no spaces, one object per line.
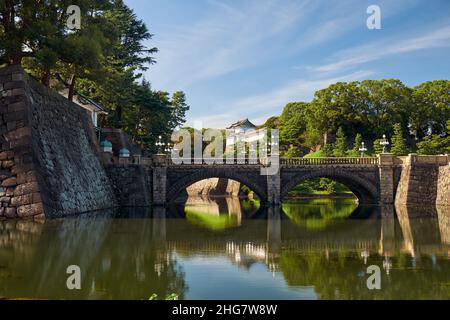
{"x":377,"y":148}
{"x":398,"y":142}
{"x":340,"y":146}
{"x":179,"y":109}
{"x":327,"y":150}
{"x":355,"y":151}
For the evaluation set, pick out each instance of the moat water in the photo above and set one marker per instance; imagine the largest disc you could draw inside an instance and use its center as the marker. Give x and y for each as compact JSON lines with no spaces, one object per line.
{"x":226,"y":248}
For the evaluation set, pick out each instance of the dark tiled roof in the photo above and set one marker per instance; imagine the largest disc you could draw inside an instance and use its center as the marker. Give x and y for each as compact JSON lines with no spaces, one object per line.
{"x":242,"y":124}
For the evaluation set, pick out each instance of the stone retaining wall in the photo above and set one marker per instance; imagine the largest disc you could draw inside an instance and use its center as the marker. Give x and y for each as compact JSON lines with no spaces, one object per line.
{"x":49,"y":161}
{"x":424,"y":180}
{"x":443,"y":186}
{"x":131,"y":184}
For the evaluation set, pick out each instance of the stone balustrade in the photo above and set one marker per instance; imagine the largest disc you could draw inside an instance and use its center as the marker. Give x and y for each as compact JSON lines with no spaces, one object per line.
{"x":330,"y":161}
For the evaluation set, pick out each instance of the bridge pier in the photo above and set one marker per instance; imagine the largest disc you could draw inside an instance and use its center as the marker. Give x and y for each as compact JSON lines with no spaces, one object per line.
{"x":386,"y":169}
{"x":274,"y":189}
{"x":159,"y":179}
{"x":274,"y":230}
{"x":387,"y":240}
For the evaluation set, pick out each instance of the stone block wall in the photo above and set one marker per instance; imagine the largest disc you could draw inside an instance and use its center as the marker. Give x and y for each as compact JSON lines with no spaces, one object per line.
{"x":387,"y":178}
{"x":274,"y":188}
{"x":49,"y":163}
{"x":131,"y":184}
{"x":443,"y":186}
{"x":419,"y":180}
{"x":159,"y":185}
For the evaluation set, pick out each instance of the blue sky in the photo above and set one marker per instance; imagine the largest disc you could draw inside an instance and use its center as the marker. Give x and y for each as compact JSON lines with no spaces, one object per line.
{"x":248,"y":58}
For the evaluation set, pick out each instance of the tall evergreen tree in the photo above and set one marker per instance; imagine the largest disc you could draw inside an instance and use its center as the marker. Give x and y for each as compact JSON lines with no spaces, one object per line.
{"x":179,"y":109}
{"x":340,"y":146}
{"x":327,"y":150}
{"x":356,"y":145}
{"x":376,"y":146}
{"x":398,"y":141}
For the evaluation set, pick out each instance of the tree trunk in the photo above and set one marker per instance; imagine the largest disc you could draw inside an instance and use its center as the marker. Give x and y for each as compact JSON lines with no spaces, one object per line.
{"x":46,"y":77}
{"x":71,"y":89}
{"x":325,"y":138}
{"x":119,"y":115}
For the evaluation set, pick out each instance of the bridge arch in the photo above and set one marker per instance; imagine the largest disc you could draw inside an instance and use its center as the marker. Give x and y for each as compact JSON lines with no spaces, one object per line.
{"x":364,"y":189}
{"x":175,"y":188}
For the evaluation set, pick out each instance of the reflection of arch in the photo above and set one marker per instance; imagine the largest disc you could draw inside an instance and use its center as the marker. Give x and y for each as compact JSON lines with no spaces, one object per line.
{"x":176,"y":188}
{"x":364,"y":189}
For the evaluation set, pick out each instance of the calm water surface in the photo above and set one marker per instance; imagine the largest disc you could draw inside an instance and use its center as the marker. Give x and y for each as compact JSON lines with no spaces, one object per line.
{"x":225,"y":248}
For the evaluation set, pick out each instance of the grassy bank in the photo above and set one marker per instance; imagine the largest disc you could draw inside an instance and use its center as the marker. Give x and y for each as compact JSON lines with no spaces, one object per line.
{"x":320,"y":188}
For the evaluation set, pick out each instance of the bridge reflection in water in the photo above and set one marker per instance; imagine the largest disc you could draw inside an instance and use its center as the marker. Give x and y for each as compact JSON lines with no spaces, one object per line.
{"x":265,"y":253}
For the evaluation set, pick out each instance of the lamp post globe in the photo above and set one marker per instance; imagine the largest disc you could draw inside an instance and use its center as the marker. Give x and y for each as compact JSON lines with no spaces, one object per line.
{"x":384,"y":143}
{"x":362,"y":149}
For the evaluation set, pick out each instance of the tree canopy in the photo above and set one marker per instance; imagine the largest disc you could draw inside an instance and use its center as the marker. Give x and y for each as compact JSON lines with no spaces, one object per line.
{"x":103,"y":60}
{"x":367,"y":109}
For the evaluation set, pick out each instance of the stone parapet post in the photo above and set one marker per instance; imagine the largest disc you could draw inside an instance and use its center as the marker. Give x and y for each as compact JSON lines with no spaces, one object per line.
{"x":159,"y":179}
{"x":274,"y":188}
{"x":386,"y":166}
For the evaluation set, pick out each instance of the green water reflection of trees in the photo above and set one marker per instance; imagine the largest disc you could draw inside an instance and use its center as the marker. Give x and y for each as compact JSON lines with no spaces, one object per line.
{"x":319,"y":213}
{"x":219,"y":213}
{"x":342,"y":275}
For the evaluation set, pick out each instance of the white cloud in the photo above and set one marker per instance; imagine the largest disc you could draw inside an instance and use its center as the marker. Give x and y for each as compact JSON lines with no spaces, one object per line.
{"x":359,"y":55}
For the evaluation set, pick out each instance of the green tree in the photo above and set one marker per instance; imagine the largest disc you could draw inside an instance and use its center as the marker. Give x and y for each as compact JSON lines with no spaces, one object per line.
{"x":386,"y":102}
{"x":293,"y":124}
{"x":327,"y":150}
{"x":339,"y":105}
{"x":340,"y":146}
{"x":431,"y":108}
{"x":81,"y":56}
{"x":292,"y":152}
{"x":125,"y":57}
{"x":376,"y":146}
{"x":26,"y":28}
{"x":398,"y":141}
{"x":179,"y":109}
{"x":272,"y":123}
{"x":356,"y":145}
{"x":435,"y":144}
{"x":35,"y":34}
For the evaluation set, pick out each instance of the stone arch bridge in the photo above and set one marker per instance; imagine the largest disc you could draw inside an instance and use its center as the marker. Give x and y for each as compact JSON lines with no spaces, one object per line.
{"x":376,"y":180}
{"x":360,"y":175}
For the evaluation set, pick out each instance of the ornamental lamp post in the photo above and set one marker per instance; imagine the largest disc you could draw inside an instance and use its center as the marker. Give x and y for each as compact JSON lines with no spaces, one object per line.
{"x":384,"y":143}
{"x":159,"y":145}
{"x":362,"y":149}
{"x":168,"y":148}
